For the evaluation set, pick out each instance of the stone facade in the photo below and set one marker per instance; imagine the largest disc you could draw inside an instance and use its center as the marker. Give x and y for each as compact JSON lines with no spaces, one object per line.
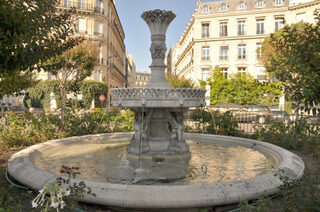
{"x":228,"y":33}
{"x":142,"y":78}
{"x":130,"y":72}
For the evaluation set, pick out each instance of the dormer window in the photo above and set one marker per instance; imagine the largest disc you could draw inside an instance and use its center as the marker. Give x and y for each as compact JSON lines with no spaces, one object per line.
{"x":206,"y":9}
{"x":223,"y":7}
{"x":260,"y":3}
{"x":278,"y":3}
{"x":242,"y":5}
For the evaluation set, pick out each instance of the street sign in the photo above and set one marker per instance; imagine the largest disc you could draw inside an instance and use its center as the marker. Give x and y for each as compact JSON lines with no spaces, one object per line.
{"x":102,"y":98}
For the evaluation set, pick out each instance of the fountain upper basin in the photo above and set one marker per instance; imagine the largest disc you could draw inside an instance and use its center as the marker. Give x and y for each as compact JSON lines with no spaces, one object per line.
{"x":23,"y":168}
{"x":158,"y":97}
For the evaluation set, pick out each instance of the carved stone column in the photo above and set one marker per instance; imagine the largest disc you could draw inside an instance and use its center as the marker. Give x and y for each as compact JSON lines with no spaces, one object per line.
{"x":158,"y":22}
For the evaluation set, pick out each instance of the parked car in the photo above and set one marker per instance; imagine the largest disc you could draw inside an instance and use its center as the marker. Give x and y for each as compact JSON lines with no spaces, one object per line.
{"x":254,"y":113}
{"x":281,"y":116}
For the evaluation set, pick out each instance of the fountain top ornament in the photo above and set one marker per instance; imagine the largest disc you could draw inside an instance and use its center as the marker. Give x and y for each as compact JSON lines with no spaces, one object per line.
{"x":158,"y":92}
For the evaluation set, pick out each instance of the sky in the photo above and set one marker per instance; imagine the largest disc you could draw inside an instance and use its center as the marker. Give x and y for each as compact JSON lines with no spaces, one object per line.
{"x":138,"y":40}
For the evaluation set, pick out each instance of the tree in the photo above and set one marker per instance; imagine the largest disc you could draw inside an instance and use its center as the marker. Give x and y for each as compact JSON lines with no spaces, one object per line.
{"x":241,"y":89}
{"x":30,"y":31}
{"x":176,"y":81}
{"x":75,"y":64}
{"x":292,"y":55}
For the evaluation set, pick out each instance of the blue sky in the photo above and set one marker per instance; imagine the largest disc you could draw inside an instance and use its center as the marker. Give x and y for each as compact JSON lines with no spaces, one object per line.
{"x":137,"y":33}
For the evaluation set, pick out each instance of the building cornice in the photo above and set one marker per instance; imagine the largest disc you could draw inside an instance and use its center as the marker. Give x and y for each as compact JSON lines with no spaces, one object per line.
{"x":118,"y":19}
{"x":185,"y":33}
{"x":248,"y":12}
{"x":228,"y":38}
{"x":185,"y":52}
{"x":300,"y":6}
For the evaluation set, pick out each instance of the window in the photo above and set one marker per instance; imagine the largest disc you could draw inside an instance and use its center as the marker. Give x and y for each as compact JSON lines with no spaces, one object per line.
{"x":224,"y":52}
{"x":100,"y":56}
{"x":98,"y":28}
{"x":82,"y":4}
{"x":260,"y":3}
{"x":242,"y":70}
{"x":98,"y":75}
{"x":241,"y":27}
{"x":223,"y":7}
{"x":205,"y":74}
{"x":67,"y":3}
{"x":278,"y":2}
{"x":242,"y":5}
{"x":259,"y":51}
{"x":206,"y":9}
{"x":224,"y":72}
{"x":224,"y":29}
{"x":98,"y":7}
{"x":82,"y":27}
{"x":260,"y":26}
{"x":205,"y":53}
{"x":242,"y":51}
{"x":205,"y":30}
{"x":278,"y":24}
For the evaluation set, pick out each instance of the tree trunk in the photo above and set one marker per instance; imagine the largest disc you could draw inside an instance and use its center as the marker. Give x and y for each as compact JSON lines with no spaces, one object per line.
{"x":63,"y":103}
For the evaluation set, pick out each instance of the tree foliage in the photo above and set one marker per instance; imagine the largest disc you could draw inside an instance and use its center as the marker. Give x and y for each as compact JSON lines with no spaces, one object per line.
{"x":293,"y":56}
{"x":76,"y":64}
{"x":242,"y":89}
{"x":176,"y":81}
{"x":30,"y":31}
{"x":39,"y":94}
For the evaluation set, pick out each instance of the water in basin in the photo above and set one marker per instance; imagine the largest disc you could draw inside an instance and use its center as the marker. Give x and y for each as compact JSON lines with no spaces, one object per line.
{"x":108,"y":161}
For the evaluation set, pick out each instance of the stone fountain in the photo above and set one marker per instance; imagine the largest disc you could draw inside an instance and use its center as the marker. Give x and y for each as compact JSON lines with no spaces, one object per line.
{"x":159,"y":166}
{"x":159,"y":109}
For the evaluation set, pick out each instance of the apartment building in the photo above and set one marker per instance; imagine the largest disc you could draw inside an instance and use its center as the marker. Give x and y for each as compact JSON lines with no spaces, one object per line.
{"x":142,"y":78}
{"x":98,"y":21}
{"x":130,"y":72}
{"x":229,"y":34}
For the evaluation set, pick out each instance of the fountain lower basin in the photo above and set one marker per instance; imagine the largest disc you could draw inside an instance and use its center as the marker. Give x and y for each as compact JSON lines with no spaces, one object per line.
{"x":182,"y":192}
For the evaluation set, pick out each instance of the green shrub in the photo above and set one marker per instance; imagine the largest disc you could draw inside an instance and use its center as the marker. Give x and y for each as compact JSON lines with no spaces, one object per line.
{"x":297,"y":195}
{"x":28,"y":130}
{"x":298,"y":136}
{"x":223,"y":124}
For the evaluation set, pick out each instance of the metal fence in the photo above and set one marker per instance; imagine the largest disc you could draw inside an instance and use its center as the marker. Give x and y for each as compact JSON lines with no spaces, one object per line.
{"x":249,"y":125}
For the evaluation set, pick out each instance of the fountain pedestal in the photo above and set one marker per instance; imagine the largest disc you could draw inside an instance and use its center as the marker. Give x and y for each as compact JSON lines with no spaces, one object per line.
{"x":158,"y":131}
{"x":159,"y":109}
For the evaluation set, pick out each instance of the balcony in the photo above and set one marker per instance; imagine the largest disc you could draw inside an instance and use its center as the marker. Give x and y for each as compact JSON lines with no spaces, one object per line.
{"x":223,"y":57}
{"x":241,"y":33}
{"x":80,"y":5}
{"x":205,"y":58}
{"x":260,"y":31}
{"x":242,"y":57}
{"x":205,"y":35}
